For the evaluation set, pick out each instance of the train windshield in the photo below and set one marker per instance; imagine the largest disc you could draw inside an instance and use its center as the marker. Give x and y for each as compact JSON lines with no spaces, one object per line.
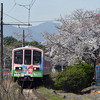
{"x":18,"y":57}
{"x":27,"y":57}
{"x":36,"y":57}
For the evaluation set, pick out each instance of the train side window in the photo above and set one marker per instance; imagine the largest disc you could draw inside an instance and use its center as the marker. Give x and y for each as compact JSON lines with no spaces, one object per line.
{"x":18,"y":57}
{"x":36,"y":57}
{"x":27,"y":57}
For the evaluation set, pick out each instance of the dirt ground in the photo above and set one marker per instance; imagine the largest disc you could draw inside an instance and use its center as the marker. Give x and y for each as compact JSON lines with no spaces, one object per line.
{"x":90,"y":93}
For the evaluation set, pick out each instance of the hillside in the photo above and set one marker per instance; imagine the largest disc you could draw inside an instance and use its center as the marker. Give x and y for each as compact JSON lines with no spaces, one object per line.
{"x":35,"y":31}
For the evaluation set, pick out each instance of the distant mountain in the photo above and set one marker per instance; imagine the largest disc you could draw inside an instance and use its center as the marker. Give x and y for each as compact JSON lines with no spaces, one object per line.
{"x":35,"y":31}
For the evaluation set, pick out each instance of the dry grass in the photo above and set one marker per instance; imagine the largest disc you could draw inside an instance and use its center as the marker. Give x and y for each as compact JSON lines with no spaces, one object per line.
{"x":9,"y":90}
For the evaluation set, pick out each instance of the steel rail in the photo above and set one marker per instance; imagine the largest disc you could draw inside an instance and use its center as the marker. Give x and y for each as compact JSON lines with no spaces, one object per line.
{"x":22,"y":97}
{"x":38,"y":94}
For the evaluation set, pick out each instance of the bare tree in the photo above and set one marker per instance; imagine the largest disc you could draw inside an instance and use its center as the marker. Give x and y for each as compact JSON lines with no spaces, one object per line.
{"x":19,"y":35}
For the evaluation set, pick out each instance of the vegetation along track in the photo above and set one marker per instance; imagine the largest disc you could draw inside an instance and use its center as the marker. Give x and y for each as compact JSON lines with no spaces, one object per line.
{"x":31,"y":94}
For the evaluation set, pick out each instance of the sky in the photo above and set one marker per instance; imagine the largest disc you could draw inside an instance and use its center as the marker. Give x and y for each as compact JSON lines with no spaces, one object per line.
{"x":17,"y":11}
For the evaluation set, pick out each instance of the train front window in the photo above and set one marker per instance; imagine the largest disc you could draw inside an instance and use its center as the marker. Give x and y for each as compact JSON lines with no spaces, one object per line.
{"x":18,"y":57}
{"x":36,"y":57}
{"x":27,"y":57}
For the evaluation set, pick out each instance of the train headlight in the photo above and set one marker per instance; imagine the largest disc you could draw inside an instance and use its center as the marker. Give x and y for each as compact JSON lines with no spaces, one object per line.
{"x":18,"y":68}
{"x":34,"y":68}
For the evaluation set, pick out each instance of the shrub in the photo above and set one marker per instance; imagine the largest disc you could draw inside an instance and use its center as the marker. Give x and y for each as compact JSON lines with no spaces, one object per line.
{"x":72,"y":80}
{"x":75,"y":78}
{"x":88,"y":69}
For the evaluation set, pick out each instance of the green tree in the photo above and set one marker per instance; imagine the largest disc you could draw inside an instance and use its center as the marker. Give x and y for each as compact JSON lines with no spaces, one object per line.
{"x":75,"y":78}
{"x":72,"y":80}
{"x":16,"y":44}
{"x":9,"y":40}
{"x":36,"y":44}
{"x":33,"y":43}
{"x":88,"y":69}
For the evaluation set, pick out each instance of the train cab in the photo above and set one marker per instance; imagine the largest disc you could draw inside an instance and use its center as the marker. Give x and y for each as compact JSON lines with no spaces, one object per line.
{"x":29,"y":62}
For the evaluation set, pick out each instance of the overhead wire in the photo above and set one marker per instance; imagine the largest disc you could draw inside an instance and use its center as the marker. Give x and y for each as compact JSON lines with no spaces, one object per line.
{"x":38,"y":21}
{"x":32,"y":3}
{"x":13,"y":18}
{"x":27,"y":7}
{"x":10,"y":9}
{"x":19,"y":4}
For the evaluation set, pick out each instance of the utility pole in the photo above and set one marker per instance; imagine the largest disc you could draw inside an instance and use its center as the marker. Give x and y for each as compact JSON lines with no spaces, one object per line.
{"x":4,"y":49}
{"x":23,"y":41}
{"x":1,"y":64}
{"x":22,"y":36}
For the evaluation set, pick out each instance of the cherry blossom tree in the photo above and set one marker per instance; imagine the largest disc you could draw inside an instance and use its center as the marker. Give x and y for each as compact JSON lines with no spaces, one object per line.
{"x":78,"y":38}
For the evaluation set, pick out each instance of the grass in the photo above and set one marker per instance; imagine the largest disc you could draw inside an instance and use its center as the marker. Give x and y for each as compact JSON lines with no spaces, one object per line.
{"x":49,"y":95}
{"x":9,"y":90}
{"x":60,"y":91}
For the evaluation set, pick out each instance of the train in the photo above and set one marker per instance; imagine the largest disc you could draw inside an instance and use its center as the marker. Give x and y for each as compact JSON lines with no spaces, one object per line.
{"x":29,"y":63}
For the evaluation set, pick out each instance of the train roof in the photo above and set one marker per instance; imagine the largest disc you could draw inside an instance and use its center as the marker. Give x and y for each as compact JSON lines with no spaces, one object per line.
{"x":28,"y":47}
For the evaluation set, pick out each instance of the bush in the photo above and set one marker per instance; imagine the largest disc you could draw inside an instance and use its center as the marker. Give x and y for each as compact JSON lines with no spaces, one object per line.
{"x":88,"y":69}
{"x":75,"y":78}
{"x":72,"y":80}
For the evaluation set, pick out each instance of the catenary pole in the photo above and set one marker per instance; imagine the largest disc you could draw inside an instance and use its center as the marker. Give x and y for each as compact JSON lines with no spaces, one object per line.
{"x":1,"y":65}
{"x":23,"y":42}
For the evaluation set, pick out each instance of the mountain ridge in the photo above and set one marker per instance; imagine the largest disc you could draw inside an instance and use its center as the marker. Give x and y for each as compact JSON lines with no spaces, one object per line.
{"x":35,"y":31}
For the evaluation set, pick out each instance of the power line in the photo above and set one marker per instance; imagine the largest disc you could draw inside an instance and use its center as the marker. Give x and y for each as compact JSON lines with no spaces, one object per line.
{"x":12,"y":7}
{"x":10,"y":10}
{"x":19,"y":24}
{"x":28,"y":7}
{"x":32,"y":3}
{"x":24,"y":23}
{"x":25,"y":6}
{"x":13,"y":18}
{"x":19,"y":4}
{"x":35,"y":21}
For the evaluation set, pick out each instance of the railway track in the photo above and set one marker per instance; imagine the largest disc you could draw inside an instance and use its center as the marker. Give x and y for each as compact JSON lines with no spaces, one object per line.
{"x":31,"y":94}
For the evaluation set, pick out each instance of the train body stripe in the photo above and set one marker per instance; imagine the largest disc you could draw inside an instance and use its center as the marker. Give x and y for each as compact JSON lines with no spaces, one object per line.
{"x":41,"y":65}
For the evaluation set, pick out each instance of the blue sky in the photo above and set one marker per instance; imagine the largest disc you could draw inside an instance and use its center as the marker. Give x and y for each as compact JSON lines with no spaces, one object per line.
{"x":44,"y":10}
